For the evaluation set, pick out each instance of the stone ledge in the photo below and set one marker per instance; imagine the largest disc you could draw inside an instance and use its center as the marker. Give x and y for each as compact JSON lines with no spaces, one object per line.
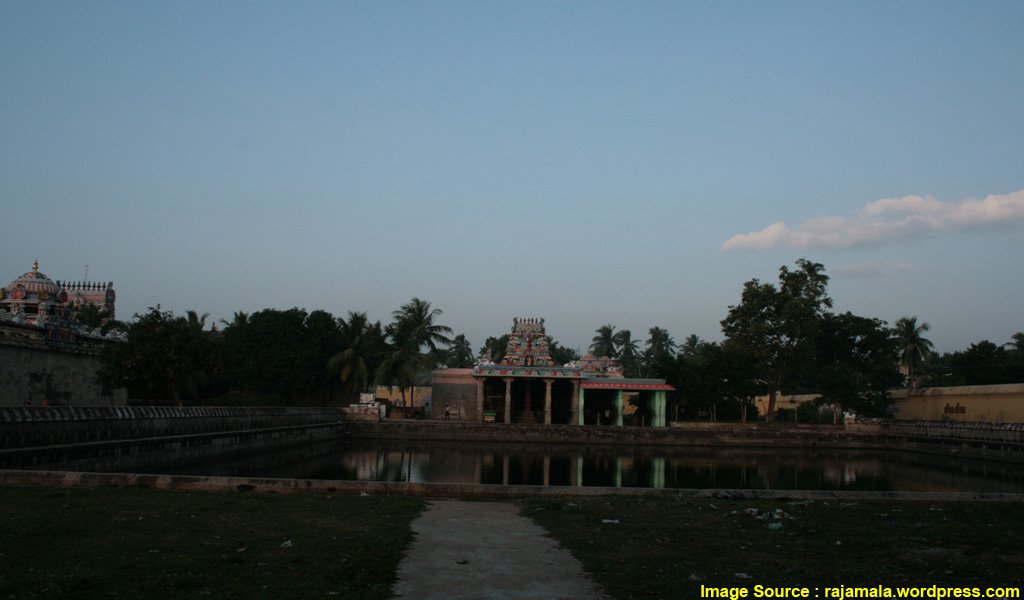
{"x":445,"y":490}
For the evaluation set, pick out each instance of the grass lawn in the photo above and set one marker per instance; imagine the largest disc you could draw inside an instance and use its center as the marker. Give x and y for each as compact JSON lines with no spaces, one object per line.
{"x":667,"y":548}
{"x":141,"y":543}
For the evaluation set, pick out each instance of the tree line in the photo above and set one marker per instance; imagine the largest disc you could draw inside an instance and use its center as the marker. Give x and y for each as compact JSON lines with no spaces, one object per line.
{"x":278,"y":356}
{"x":781,"y":338}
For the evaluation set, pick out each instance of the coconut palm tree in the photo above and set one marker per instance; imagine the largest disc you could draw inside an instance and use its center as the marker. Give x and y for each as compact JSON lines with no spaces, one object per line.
{"x":414,"y":324}
{"x":603,"y":343}
{"x":412,"y":329}
{"x":196,"y":323}
{"x":361,"y":343}
{"x":691,"y":346}
{"x":460,"y":355}
{"x":629,"y":353}
{"x":912,"y":348}
{"x":660,"y":343}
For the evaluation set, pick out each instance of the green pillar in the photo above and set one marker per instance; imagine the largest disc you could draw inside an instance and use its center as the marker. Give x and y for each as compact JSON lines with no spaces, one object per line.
{"x":618,"y":408}
{"x":658,"y":473}
{"x":659,"y":409}
{"x":579,"y":410}
{"x":618,"y":471}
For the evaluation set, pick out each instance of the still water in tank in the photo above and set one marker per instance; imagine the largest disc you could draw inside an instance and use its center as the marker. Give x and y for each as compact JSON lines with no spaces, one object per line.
{"x":614,"y":466}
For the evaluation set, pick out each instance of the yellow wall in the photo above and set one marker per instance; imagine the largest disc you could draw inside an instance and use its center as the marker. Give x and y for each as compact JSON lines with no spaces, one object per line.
{"x":413,"y":397}
{"x":989,"y":403}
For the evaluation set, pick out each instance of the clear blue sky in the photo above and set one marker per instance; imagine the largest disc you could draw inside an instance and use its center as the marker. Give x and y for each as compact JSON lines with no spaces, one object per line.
{"x":631,"y":163}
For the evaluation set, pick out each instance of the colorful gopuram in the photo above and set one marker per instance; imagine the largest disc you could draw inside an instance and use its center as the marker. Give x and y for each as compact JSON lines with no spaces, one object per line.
{"x":527,"y":387}
{"x":35,"y":298}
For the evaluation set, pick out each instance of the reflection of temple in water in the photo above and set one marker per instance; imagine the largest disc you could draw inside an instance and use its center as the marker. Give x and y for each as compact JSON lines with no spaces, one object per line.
{"x":683,"y":468}
{"x":528,"y":387}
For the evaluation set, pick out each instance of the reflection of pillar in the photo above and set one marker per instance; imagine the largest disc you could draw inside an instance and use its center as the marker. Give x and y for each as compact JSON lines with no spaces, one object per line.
{"x":547,"y":470}
{"x":508,"y":400}
{"x":658,"y":472}
{"x":618,"y":408}
{"x":480,"y":399}
{"x":574,"y":404}
{"x":547,"y":402}
{"x":504,"y":470}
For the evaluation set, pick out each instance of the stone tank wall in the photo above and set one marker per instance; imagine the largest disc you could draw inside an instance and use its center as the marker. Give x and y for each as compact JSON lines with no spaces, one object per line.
{"x":25,"y":427}
{"x":37,"y":369}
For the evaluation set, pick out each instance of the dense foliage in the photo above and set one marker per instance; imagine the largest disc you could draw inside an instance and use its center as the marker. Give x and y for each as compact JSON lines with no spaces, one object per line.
{"x":781,"y":338}
{"x":276,"y":356}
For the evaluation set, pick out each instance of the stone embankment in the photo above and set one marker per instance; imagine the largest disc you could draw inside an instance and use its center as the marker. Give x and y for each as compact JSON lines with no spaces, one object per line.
{"x":132,"y":438}
{"x":696,"y":434}
{"x":44,"y":426}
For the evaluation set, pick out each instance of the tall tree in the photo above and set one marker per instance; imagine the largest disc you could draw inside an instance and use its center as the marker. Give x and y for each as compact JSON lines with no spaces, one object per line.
{"x":912,"y":347}
{"x":362,"y":345}
{"x":660,"y":343}
{"x":629,"y":352}
{"x":163,"y":359}
{"x":604,"y":343}
{"x":460,"y":355}
{"x":412,"y":329}
{"x":494,"y":348}
{"x":691,"y":345}
{"x":560,"y":354}
{"x":855,"y":366}
{"x":778,"y":326}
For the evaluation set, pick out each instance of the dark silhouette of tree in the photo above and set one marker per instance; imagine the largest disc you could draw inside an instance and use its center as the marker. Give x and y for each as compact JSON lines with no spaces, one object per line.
{"x":460,"y":355}
{"x":604,"y":343}
{"x":629,"y":353}
{"x":778,"y":325}
{"x":912,"y":348}
{"x":412,"y":329}
{"x":494,"y":348}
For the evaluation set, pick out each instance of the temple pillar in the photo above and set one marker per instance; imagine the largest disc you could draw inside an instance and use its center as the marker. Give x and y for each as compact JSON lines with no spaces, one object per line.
{"x":579,"y":471}
{"x":659,"y":397}
{"x":574,"y":410}
{"x":618,"y":407}
{"x":508,"y":399}
{"x":547,"y":470}
{"x":580,"y":412}
{"x":480,"y":384}
{"x":547,"y":401}
{"x":504,"y":470}
{"x":618,"y":470}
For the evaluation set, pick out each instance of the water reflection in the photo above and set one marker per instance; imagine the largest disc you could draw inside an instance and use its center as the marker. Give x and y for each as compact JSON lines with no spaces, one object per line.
{"x":658,"y":467}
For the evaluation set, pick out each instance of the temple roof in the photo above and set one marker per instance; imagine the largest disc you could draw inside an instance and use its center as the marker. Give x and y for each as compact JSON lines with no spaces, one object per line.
{"x":604,"y":383}
{"x":34,"y":286}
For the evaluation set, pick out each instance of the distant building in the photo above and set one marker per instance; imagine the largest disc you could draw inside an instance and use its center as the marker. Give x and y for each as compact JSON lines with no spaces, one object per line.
{"x":46,"y":358}
{"x":527,"y":387}
{"x":35,"y":297}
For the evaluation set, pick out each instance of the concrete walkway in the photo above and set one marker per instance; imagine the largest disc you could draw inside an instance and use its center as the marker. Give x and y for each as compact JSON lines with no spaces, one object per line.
{"x":487,"y":551}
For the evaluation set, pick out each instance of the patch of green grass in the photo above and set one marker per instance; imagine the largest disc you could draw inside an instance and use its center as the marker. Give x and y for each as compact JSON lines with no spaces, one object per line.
{"x":668,"y":548}
{"x":141,"y":543}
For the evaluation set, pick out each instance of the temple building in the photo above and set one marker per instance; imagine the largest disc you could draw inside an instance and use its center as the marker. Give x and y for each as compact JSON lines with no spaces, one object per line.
{"x":34,"y":297}
{"x":527,"y":387}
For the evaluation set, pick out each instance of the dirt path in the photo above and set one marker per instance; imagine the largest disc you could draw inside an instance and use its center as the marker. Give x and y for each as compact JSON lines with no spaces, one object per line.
{"x":487,"y":551}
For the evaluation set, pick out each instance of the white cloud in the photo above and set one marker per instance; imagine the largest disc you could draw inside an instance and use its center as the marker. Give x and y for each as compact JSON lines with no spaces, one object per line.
{"x":887,"y":220}
{"x":869,"y":270}
{"x":861,"y":271}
